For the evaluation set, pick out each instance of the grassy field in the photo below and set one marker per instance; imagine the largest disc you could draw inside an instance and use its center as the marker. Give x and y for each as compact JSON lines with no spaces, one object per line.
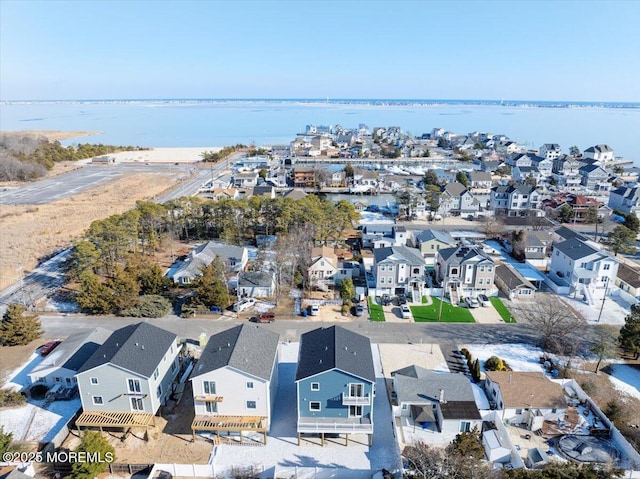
{"x":450,"y":314}
{"x":375,"y":311}
{"x":501,"y":309}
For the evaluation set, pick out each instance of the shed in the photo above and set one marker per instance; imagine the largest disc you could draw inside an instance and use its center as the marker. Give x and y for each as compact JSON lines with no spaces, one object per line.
{"x":493,"y":447}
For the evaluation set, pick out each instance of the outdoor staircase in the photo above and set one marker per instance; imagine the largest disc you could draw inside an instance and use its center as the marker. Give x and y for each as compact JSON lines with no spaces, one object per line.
{"x":454,"y":297}
{"x":587,"y":295}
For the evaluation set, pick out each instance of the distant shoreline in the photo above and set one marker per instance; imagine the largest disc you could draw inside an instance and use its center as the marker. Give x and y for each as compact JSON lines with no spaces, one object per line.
{"x":52,"y":135}
{"x":340,"y":101}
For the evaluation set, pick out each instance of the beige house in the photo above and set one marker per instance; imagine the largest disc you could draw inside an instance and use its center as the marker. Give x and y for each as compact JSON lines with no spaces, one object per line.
{"x":465,"y":271}
{"x":324,"y":266}
{"x":628,"y":280}
{"x":513,"y":284}
{"x":429,"y":242}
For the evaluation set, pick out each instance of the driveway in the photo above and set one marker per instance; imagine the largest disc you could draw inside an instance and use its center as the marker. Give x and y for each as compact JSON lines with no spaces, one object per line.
{"x":486,"y":315}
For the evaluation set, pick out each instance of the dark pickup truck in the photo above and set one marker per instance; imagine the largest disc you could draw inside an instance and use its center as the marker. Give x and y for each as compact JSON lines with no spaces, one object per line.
{"x":267,"y":317}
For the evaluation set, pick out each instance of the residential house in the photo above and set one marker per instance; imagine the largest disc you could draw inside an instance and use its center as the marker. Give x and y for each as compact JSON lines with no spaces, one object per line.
{"x":338,"y":179}
{"x":235,"y":381}
{"x":335,"y":382}
{"x":550,"y":151}
{"x":580,"y":205}
{"x":511,"y":282}
{"x":480,"y":182}
{"x":365,"y":180}
{"x":535,"y":251}
{"x":594,"y":178}
{"x":527,"y":174}
{"x":304,"y":177}
{"x":294,"y":194}
{"x":323,"y":268}
{"x":245,"y":179}
{"x":185,"y":271}
{"x":507,"y":147}
{"x":399,"y":270}
{"x":628,"y":280}
{"x":563,"y":233}
{"x":264,"y":190}
{"x":583,"y":268}
{"x":132,"y":371}
{"x":430,"y":241}
{"x":457,"y":200}
{"x":439,"y":402}
{"x":544,"y":165}
{"x":514,"y":200}
{"x":62,"y":364}
{"x":465,"y":271}
{"x":383,"y":235}
{"x":603,"y":153}
{"x":565,"y":172}
{"x":256,"y":284}
{"x":520,"y":159}
{"x":224,"y":194}
{"x":527,"y":398}
{"x":625,"y":199}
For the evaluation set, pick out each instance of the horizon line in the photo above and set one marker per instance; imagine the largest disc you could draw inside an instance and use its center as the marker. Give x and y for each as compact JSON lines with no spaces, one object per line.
{"x":322,"y":100}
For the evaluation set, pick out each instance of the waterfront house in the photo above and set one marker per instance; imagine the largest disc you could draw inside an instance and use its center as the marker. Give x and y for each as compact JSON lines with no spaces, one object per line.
{"x":399,"y":270}
{"x":625,"y":199}
{"x":457,"y":200}
{"x":443,"y":403}
{"x":514,"y":200}
{"x":603,"y":153}
{"x":430,"y":241}
{"x":256,"y":284}
{"x":527,"y":398}
{"x":550,"y":151}
{"x":381,"y":235}
{"x":335,"y":383}
{"x":465,"y":271}
{"x":62,"y":364}
{"x":185,"y":271}
{"x":594,"y":178}
{"x":304,"y":177}
{"x":235,"y":381}
{"x":132,"y":371}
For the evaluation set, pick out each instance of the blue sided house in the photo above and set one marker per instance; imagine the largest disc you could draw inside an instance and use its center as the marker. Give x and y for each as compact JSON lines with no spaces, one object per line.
{"x":335,"y":383}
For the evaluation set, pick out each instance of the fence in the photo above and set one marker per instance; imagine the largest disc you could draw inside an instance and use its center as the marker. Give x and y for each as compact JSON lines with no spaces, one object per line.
{"x":295,"y":472}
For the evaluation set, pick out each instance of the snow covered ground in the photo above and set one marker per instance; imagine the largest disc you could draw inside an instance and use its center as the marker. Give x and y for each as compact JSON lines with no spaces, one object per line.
{"x":376,"y":218}
{"x":626,"y":378}
{"x":282,"y":448}
{"x":613,"y":312}
{"x":32,"y":422}
{"x":520,"y":357}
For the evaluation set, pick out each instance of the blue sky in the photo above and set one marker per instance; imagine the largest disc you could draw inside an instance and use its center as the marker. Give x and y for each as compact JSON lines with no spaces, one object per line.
{"x":581,"y":51}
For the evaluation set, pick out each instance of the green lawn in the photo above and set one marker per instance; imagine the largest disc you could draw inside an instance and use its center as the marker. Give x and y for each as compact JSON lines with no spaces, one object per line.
{"x":501,"y":309}
{"x":450,"y":314}
{"x":375,"y":311}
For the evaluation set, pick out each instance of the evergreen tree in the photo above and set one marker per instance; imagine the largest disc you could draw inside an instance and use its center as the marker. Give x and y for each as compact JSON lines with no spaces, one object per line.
{"x":622,"y":240}
{"x":461,"y":177}
{"x":629,"y":338}
{"x":93,"y":442}
{"x":94,"y":297}
{"x":430,"y":178}
{"x":5,"y":440}
{"x":347,"y":289}
{"x":18,"y":328}
{"x":467,"y":445}
{"x":125,"y":289}
{"x":211,"y":287}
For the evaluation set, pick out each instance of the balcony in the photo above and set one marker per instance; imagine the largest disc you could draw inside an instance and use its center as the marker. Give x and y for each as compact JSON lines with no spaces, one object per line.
{"x":356,"y":400}
{"x":209,"y":398}
{"x":360,"y":425}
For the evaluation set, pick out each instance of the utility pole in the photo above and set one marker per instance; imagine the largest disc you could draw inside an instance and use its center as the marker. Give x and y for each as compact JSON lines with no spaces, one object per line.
{"x":606,"y":286}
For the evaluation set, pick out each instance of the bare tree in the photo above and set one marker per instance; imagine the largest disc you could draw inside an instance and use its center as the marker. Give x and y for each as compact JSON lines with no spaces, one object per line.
{"x":431,"y":462}
{"x":605,"y":343}
{"x":560,"y":329}
{"x":492,"y":226}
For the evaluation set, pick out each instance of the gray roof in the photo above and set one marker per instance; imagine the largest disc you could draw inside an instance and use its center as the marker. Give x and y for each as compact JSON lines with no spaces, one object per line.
{"x":480,"y":176}
{"x":575,"y":249}
{"x":398,"y":254}
{"x":138,"y":347}
{"x":626,"y":192}
{"x":295,"y":194}
{"x":248,"y":348}
{"x":599,"y":148}
{"x":455,"y":189}
{"x":324,"y":349}
{"x":262,"y":190}
{"x":512,"y":277}
{"x":533,"y":241}
{"x":204,"y":254}
{"x":462,"y":253}
{"x":255,"y":278}
{"x":417,"y":385}
{"x":429,"y":234}
{"x":568,"y":233}
{"x":74,"y":351}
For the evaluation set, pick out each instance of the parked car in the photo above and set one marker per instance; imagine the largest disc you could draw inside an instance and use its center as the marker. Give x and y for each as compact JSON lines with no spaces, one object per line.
{"x":471,"y":302}
{"x":48,"y":347}
{"x":484,"y":300}
{"x":386,"y":300}
{"x":405,"y":311}
{"x":402,"y":299}
{"x":243,"y":304}
{"x":267,"y":317}
{"x":359,"y":310}
{"x":314,"y":310}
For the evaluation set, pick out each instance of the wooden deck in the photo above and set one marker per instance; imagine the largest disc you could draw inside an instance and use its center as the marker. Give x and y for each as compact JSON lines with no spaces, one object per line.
{"x":125,"y":420}
{"x":229,"y":424}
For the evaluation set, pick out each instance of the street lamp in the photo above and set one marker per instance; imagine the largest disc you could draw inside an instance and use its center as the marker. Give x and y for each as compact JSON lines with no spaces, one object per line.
{"x":606,"y":285}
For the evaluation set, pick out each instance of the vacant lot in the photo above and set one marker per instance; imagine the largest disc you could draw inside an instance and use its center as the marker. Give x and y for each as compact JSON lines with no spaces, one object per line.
{"x":28,"y":232}
{"x":450,"y":313}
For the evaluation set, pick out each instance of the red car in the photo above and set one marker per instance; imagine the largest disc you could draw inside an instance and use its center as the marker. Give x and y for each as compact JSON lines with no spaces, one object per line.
{"x":48,"y":347}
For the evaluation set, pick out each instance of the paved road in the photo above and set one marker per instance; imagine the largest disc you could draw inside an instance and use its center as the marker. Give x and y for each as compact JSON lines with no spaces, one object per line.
{"x":41,"y":282}
{"x":290,"y":330}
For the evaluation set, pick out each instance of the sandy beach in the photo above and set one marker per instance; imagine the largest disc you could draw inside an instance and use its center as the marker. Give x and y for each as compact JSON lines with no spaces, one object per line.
{"x":53,"y":135}
{"x":163,"y":155}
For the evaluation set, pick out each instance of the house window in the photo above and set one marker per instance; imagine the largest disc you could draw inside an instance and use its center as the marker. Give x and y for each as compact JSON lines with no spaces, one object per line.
{"x":94,"y":381}
{"x":133,"y":385}
{"x":356,"y":390}
{"x":211,"y":406}
{"x":606,"y":266}
{"x":156,"y":374}
{"x":249,"y":385}
{"x":405,"y":406}
{"x":481,"y":269}
{"x":314,"y":405}
{"x":68,"y":381}
{"x":173,"y":367}
{"x":489,"y":269}
{"x":481,"y":281}
{"x":159,"y":391}
{"x":97,"y":400}
{"x":416,"y":270}
{"x":164,"y":358}
{"x":209,"y":387}
{"x":604,"y":278}
{"x":315,"y":386}
{"x":454,"y":270}
{"x":518,"y":411}
{"x":137,"y":404}
{"x":251,"y":404}
{"x":465,"y":426}
{"x":355,"y":411}
{"x":554,"y":410}
{"x":58,"y":379}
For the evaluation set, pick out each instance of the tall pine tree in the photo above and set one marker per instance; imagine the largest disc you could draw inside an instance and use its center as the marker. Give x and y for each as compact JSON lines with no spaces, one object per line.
{"x":629,"y":338}
{"x":17,"y":327}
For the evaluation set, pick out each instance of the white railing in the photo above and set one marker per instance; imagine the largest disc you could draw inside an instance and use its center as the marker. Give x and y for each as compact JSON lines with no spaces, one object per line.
{"x":356,"y":400}
{"x":334,"y":427}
